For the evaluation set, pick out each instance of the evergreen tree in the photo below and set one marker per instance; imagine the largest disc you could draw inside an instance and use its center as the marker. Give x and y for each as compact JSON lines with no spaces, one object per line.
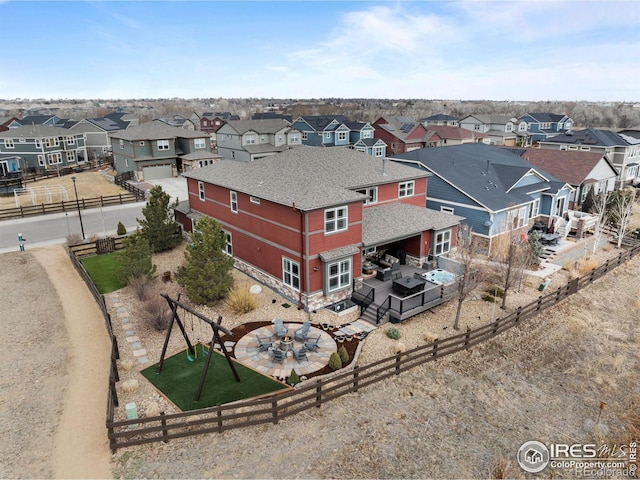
{"x":206,"y":275}
{"x":158,"y":224}
{"x":134,"y":260}
{"x":122,"y":230}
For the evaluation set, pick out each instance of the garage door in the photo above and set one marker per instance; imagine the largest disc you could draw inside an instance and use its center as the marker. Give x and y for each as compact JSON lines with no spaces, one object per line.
{"x":157,"y":172}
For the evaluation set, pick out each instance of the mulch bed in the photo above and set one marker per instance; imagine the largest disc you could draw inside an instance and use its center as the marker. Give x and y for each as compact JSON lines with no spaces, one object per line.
{"x":242,"y":330}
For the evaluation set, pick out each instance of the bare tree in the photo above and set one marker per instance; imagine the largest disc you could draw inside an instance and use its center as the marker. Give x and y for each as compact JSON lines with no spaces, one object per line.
{"x":599,"y":208}
{"x":471,"y":275}
{"x":620,"y":210}
{"x":514,"y":258}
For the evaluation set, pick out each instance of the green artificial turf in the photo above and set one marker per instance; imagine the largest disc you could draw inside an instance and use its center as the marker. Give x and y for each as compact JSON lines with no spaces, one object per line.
{"x":101,"y":268}
{"x":180,"y":379}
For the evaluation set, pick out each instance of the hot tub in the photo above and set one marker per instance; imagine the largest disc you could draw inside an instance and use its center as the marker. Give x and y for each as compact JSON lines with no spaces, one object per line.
{"x":439,"y":276}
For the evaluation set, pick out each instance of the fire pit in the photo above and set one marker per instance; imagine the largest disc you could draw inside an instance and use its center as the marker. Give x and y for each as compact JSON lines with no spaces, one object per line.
{"x":286,"y":343}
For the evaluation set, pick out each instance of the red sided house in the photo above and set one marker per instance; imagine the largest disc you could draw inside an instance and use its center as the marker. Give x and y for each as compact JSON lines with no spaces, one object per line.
{"x":302,"y":221}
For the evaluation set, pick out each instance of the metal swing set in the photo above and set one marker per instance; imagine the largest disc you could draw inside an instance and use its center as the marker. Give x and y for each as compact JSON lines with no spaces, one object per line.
{"x":216,"y":328}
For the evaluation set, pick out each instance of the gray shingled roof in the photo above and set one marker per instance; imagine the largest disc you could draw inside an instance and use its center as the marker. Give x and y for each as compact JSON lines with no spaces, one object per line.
{"x":201,"y":155}
{"x":393,"y":221}
{"x":264,"y":148}
{"x":590,"y":136}
{"x":310,"y":177}
{"x":486,"y":174}
{"x":156,"y":131}
{"x":268,"y":126}
{"x":36,"y":131}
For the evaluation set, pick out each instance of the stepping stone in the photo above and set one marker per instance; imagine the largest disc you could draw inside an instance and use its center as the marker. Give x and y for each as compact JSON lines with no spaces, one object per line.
{"x":128,"y":333}
{"x":125,"y":320}
{"x":143,"y":360}
{"x":139,"y":353}
{"x":133,"y":339}
{"x":136,"y":345}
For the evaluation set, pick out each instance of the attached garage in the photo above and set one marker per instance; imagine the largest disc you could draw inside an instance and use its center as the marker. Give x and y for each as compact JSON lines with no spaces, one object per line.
{"x":157,"y":172}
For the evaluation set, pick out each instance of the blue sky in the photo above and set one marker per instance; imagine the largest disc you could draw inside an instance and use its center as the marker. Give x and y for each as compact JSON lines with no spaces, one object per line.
{"x":494,"y":50}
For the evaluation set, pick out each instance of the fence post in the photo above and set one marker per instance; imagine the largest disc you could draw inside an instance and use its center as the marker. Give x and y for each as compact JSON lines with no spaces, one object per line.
{"x":114,"y":394}
{"x":112,"y":441}
{"x":434,"y":351}
{"x":466,"y":337}
{"x":355,"y":378}
{"x":496,"y":325}
{"x":163,"y":422}
{"x":398,"y":355}
{"x":518,"y":312}
{"x":539,"y":303}
{"x":219,"y":415}
{"x":319,"y":394}
{"x":274,"y":407}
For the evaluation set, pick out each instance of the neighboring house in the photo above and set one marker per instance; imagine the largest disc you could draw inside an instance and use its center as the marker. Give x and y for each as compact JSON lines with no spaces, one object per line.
{"x":132,"y":120}
{"x":210,"y":122}
{"x":401,"y":134}
{"x":302,"y":221}
{"x":584,"y":171}
{"x":8,"y":122}
{"x":439,"y":120}
{"x":199,"y":159}
{"x":623,"y":151}
{"x":457,"y":136}
{"x":42,"y":147}
{"x":155,"y":150}
{"x":179,"y":121}
{"x":49,"y":120}
{"x":96,"y":132}
{"x":9,"y":164}
{"x":501,"y":129}
{"x":271,"y":116}
{"x":535,"y":127}
{"x":496,"y":191}
{"x":249,"y":140}
{"x":324,"y":130}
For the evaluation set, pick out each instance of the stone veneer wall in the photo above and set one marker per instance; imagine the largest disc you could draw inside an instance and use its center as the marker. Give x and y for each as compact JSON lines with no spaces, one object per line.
{"x":311,"y":302}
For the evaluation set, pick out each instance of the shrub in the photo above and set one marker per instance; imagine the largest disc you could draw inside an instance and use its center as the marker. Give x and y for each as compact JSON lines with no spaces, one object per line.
{"x":344,"y":355}
{"x":141,"y":286}
{"x":294,"y":379}
{"x":158,"y":310}
{"x":94,"y":237}
{"x":586,"y":265}
{"x":335,"y":362}
{"x":393,"y":333}
{"x":496,"y":291}
{"x":74,"y":239}
{"x":121,"y":230}
{"x":488,"y":298}
{"x":240,"y":300}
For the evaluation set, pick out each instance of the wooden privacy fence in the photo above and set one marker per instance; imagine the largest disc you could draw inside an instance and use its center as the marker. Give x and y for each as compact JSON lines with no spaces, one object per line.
{"x":70,"y":205}
{"x":102,"y":245}
{"x":312,"y":394}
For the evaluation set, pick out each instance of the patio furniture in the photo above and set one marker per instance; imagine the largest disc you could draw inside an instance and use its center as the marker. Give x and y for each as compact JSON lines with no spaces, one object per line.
{"x":300,"y":354}
{"x":278,"y":355}
{"x":549,"y":238}
{"x":383,"y":274}
{"x":279,"y":329}
{"x":408,"y":285}
{"x":396,"y":275}
{"x":312,"y":343}
{"x":302,"y":333}
{"x":264,"y":343}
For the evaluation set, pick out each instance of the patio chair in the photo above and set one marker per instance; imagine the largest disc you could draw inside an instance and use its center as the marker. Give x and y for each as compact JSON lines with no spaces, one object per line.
{"x":395,"y":275}
{"x":279,"y":329}
{"x":302,"y":333}
{"x":264,"y":343}
{"x":278,"y":355}
{"x":301,"y":354}
{"x":312,"y":343}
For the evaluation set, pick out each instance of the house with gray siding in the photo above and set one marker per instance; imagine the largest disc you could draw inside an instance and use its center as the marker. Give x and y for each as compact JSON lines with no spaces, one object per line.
{"x":96,"y":132}
{"x":496,"y":191}
{"x":501,"y":129}
{"x":155,"y":150}
{"x":249,"y":140}
{"x":540,"y":126}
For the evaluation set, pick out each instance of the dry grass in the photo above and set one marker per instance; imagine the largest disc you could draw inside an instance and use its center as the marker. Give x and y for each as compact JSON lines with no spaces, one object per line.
{"x":240,"y":300}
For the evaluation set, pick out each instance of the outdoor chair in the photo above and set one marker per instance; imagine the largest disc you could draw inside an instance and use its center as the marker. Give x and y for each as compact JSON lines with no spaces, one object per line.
{"x":279,"y":328}
{"x":302,"y":333}
{"x":278,"y":355}
{"x":312,"y":343}
{"x":395,"y":275}
{"x":264,"y":343}
{"x":301,"y":354}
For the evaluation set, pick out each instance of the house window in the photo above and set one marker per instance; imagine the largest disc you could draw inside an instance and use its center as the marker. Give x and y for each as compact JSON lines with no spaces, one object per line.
{"x":228,"y":244}
{"x":201,"y":191}
{"x":443,"y":242}
{"x":250,"y":139}
{"x":54,"y":158}
{"x":304,"y":135}
{"x":405,"y":189}
{"x":573,"y":147}
{"x":41,"y":160}
{"x":163,"y":144}
{"x":342,"y":136}
{"x":535,"y":208}
{"x":8,"y":143}
{"x":327,"y":135}
{"x":559,"y":206}
{"x":121,"y":143}
{"x":233,"y":196}
{"x":71,"y":156}
{"x":509,"y":127}
{"x":476,"y":126}
{"x":199,"y":143}
{"x":585,"y":149}
{"x":446,"y":209}
{"x":378,"y":151}
{"x":369,"y":251}
{"x":335,"y":219}
{"x":367,"y":134}
{"x":53,"y":142}
{"x":38,"y":143}
{"x":522,"y":127}
{"x":339,"y":275}
{"x":71,"y":140}
{"x":517,"y":217}
{"x":545,"y":125}
{"x":126,"y":162}
{"x":563,"y":147}
{"x":371,"y":193}
{"x":291,"y":273}
{"x":293,"y":138}
{"x":254,"y":200}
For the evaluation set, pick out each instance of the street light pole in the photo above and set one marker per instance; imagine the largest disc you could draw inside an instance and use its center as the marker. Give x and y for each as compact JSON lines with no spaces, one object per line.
{"x":73,"y":179}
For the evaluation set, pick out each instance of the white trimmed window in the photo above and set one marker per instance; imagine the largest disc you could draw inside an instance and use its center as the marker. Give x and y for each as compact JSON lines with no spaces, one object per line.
{"x":53,"y":142}
{"x":545,"y":125}
{"x":254,"y":200}
{"x":369,"y":251}
{"x":535,"y":208}
{"x":199,"y":143}
{"x":70,"y":140}
{"x":38,"y":143}
{"x":228,"y":244}
{"x":443,"y":242}
{"x":249,"y":139}
{"x":517,"y":218}
{"x":291,"y":273}
{"x":476,"y":126}
{"x":335,"y":219}
{"x":522,"y":127}
{"x":371,"y":193}
{"x":71,"y":156}
{"x":126,"y":162}
{"x":406,"y":189}
{"x":41,"y":160}
{"x":121,"y":144}
{"x":367,"y":134}
{"x":8,"y":143}
{"x":304,"y":135}
{"x":54,"y":158}
{"x":294,"y":138}
{"x":163,"y":144}
{"x":342,"y":136}
{"x":446,"y":209}
{"x":378,"y":151}
{"x":201,"y":191}
{"x":233,"y":200}
{"x":339,"y":275}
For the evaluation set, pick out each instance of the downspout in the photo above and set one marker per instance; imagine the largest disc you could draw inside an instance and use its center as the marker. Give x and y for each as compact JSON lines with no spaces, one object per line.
{"x":303,"y":260}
